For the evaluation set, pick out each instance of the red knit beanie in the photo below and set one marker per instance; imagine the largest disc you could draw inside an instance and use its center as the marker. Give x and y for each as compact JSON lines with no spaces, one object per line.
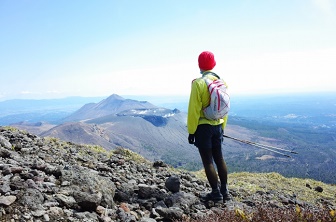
{"x":206,"y":60}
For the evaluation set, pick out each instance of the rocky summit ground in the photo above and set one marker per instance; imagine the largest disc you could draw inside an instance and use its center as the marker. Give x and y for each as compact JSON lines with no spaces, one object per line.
{"x":46,"y":179}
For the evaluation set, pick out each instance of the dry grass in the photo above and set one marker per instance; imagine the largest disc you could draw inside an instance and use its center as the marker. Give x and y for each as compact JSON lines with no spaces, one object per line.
{"x":252,"y":182}
{"x":267,"y":214}
{"x":249,"y":183}
{"x":130,"y":155}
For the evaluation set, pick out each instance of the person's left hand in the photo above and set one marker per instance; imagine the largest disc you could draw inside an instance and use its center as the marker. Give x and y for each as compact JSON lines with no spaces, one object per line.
{"x":191,"y":138}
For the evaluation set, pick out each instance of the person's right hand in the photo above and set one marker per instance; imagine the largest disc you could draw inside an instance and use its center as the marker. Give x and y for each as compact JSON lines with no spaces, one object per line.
{"x":191,"y":138}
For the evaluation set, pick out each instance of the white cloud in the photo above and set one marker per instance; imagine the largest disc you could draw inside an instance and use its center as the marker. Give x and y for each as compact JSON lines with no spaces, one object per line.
{"x":324,"y":5}
{"x":327,"y":7}
{"x":54,"y":92}
{"x":283,"y":72}
{"x":26,"y":92}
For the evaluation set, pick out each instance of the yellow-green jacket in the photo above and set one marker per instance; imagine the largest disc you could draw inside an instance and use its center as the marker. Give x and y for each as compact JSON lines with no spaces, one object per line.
{"x":200,"y":99}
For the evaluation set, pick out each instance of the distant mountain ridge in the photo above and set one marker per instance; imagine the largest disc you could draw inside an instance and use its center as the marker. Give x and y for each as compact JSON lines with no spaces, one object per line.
{"x":69,"y":104}
{"x":112,"y":105}
{"x":159,"y":133}
{"x":37,"y":110}
{"x":155,"y":132}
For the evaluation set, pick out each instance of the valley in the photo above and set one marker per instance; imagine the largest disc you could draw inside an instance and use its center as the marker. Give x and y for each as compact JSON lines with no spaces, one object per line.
{"x":159,"y":133}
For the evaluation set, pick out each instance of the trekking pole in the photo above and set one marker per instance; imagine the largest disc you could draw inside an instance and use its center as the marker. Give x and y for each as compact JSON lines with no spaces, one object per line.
{"x":263,"y":146}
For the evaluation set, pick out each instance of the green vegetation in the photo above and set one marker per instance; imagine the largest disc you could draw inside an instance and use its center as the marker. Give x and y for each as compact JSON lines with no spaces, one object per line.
{"x":148,"y":148}
{"x":316,"y":148}
{"x":96,"y":149}
{"x":130,"y":155}
{"x":85,"y":150}
{"x":250,"y":183}
{"x":12,"y":129}
{"x":52,"y":140}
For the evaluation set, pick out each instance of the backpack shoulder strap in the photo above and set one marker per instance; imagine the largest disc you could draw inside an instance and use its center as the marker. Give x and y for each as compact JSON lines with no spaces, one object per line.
{"x":211,"y":73}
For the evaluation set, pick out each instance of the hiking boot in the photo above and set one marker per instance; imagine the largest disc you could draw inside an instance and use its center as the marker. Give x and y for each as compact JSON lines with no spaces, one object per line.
{"x":214,"y":196}
{"x":227,"y":197}
{"x":225,"y":193}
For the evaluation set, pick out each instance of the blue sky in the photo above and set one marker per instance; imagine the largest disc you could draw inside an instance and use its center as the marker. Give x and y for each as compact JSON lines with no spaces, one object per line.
{"x":54,"y":49}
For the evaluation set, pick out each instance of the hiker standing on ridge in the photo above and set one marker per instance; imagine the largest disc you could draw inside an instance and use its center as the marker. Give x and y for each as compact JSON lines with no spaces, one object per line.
{"x":206,"y":134}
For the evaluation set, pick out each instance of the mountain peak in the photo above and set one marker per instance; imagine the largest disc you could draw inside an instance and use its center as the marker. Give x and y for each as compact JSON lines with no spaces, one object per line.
{"x":109,"y":106}
{"x":115,"y":97}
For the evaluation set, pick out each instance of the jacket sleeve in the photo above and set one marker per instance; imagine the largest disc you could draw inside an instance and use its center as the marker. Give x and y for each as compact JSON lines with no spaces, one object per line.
{"x":225,"y":121}
{"x":194,"y":108}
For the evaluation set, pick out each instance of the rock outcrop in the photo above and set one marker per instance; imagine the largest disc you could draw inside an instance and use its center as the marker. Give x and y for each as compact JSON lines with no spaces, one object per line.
{"x":45,"y":179}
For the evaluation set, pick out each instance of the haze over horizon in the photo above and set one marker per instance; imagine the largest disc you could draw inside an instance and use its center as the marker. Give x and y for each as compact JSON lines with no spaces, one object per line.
{"x":57,"y":49}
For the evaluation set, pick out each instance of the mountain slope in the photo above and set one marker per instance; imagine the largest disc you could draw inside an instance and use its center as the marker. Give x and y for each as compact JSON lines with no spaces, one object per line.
{"x":78,"y":132}
{"x":111,"y":105}
{"x":157,"y":134}
{"x":46,"y":179}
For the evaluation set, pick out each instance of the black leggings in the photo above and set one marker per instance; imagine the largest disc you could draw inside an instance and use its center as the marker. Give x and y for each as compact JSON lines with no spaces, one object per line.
{"x":211,"y":152}
{"x":208,"y":157}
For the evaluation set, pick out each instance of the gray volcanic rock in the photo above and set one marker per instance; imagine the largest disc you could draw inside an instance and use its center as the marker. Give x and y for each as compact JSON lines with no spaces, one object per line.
{"x":46,"y":179}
